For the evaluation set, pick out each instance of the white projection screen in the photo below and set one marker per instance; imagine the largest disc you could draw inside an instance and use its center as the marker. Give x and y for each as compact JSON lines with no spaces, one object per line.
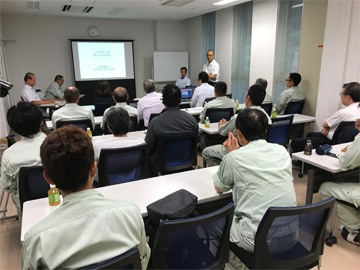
{"x":102,"y":59}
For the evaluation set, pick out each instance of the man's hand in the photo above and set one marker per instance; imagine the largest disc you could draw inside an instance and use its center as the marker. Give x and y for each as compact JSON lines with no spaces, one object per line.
{"x":231,"y":144}
{"x":217,"y":189}
{"x":344,"y":149}
{"x":223,"y":121}
{"x":325,"y":131}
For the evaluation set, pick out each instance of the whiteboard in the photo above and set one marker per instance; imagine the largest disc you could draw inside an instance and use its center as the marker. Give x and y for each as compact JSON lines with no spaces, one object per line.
{"x":167,"y":65}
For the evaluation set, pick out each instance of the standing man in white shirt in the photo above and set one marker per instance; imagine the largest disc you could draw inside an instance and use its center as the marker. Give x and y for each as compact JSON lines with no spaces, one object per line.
{"x":72,"y":111}
{"x":184,"y":80}
{"x":151,"y":103}
{"x":212,"y":68}
{"x":203,"y":91}
{"x":29,"y":94}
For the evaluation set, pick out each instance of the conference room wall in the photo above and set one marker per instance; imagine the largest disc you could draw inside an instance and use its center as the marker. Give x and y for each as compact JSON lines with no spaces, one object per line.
{"x":169,"y":36}
{"x":341,"y":54}
{"x":193,"y":46}
{"x":223,"y":43}
{"x":263,"y":36}
{"x":42,"y":46}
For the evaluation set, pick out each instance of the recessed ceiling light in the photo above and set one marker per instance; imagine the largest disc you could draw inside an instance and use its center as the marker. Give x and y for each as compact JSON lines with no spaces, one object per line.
{"x":223,"y":2}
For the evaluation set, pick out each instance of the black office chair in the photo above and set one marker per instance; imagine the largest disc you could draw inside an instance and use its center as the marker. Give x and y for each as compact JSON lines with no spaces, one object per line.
{"x":132,"y":103}
{"x":216,"y":114}
{"x":267,"y":108}
{"x":152,"y":116}
{"x":331,"y":239}
{"x":177,"y":153}
{"x":229,"y":96}
{"x":279,"y":130}
{"x":345,"y":132}
{"x":207,"y":100}
{"x":133,"y":125}
{"x":32,"y":184}
{"x":289,"y":237}
{"x":294,"y":107}
{"x":84,"y":124}
{"x":121,"y":165}
{"x":101,"y":107}
{"x":51,"y":111}
{"x":194,"y":243}
{"x":128,"y":260}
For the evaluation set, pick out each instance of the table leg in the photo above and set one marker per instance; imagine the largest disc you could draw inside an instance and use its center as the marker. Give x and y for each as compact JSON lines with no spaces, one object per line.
{"x":310,"y":186}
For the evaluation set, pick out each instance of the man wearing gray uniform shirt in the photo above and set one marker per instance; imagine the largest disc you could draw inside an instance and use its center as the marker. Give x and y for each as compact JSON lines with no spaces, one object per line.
{"x":215,"y":153}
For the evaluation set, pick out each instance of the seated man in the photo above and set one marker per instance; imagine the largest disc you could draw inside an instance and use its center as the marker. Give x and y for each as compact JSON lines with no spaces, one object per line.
{"x":184,"y":80}
{"x":290,"y":95}
{"x":26,"y":119}
{"x":54,"y":90}
{"x":263,"y":83}
{"x":259,"y":174}
{"x":203,"y":91}
{"x":120,"y":97}
{"x":29,"y":94}
{"x":151,"y":103}
{"x":87,"y":228}
{"x":118,"y":122}
{"x":215,"y":153}
{"x":350,"y":97}
{"x":221,"y":101}
{"x":349,"y":191}
{"x":72,"y":111}
{"x":171,"y":121}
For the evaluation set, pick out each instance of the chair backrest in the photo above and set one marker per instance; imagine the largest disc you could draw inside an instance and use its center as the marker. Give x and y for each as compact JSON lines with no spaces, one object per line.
{"x":32,"y":184}
{"x":152,"y":116}
{"x":279,"y":130}
{"x":132,"y":103}
{"x":345,"y":132}
{"x":194,"y":243}
{"x":101,"y":107}
{"x":133,"y":125}
{"x":128,"y":260}
{"x":120,"y":165}
{"x":84,"y":123}
{"x":294,"y":107}
{"x":208,"y":99}
{"x":267,"y":108}
{"x":177,"y":153}
{"x":216,"y":114}
{"x":51,"y":111}
{"x":292,"y":237}
{"x":229,"y":96}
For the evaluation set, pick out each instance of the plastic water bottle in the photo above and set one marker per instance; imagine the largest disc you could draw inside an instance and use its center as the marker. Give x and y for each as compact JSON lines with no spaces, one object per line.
{"x":88,"y":131}
{"x":207,"y":122}
{"x":54,"y":196}
{"x":56,"y":104}
{"x":237,"y":104}
{"x":273,"y":112}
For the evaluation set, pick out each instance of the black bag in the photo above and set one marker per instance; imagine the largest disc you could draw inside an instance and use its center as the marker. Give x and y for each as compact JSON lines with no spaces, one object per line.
{"x":177,"y":205}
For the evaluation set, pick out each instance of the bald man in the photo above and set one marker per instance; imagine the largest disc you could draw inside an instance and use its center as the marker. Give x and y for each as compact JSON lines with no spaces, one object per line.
{"x":120,"y":97}
{"x":72,"y":111}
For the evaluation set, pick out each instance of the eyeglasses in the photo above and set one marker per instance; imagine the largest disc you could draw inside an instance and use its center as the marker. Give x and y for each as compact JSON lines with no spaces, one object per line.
{"x":288,"y":80}
{"x":209,"y":55}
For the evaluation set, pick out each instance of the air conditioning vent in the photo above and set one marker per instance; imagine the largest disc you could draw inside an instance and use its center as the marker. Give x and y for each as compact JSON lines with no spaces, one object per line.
{"x":33,"y":5}
{"x":76,"y":9}
{"x":176,"y":3}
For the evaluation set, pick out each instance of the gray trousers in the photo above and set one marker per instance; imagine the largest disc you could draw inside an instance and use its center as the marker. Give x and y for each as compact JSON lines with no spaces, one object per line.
{"x":214,"y":154}
{"x":348,"y":192}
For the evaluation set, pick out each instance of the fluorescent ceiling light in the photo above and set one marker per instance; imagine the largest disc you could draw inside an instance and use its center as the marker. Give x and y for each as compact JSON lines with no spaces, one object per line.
{"x":223,"y":2}
{"x":298,"y":5}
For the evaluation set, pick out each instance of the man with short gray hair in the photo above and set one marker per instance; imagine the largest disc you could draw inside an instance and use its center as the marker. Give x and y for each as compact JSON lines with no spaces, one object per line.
{"x":150,"y":103}
{"x":72,"y":111}
{"x":268,"y":99}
